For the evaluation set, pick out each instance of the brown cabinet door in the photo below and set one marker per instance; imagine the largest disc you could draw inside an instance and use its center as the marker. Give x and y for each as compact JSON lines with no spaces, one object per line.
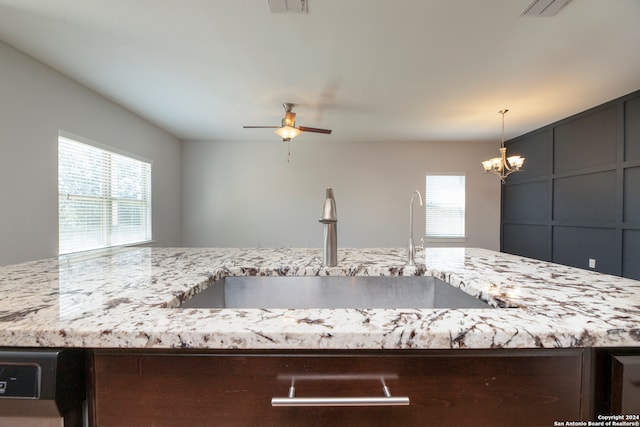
{"x":625,"y":385}
{"x":445,"y":388}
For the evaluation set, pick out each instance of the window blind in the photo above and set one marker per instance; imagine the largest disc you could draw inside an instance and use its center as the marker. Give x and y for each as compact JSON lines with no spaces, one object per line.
{"x":104,"y":198}
{"x":445,"y":206}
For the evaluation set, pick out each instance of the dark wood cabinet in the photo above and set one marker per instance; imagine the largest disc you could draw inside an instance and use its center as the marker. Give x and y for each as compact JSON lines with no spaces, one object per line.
{"x":445,"y":388}
{"x":625,"y":384}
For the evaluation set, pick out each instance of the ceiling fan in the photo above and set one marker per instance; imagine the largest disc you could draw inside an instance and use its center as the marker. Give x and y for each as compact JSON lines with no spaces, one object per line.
{"x":288,"y":129}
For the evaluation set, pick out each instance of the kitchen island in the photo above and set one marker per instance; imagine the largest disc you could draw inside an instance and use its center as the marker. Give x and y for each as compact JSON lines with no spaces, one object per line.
{"x":128,"y":300}
{"x":550,"y":321}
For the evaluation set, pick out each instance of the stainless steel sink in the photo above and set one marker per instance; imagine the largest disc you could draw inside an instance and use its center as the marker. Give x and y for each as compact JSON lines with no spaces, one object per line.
{"x":332,"y":292}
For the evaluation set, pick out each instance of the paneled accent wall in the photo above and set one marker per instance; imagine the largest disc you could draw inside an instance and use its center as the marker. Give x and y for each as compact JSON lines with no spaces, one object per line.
{"x":578,"y":197}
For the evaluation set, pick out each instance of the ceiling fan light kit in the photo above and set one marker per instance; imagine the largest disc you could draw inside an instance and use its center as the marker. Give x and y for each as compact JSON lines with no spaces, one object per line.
{"x":287,"y":133}
{"x":288,"y":130}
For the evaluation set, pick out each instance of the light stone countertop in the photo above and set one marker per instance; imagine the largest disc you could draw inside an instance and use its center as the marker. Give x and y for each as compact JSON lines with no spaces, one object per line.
{"x":127,"y":299}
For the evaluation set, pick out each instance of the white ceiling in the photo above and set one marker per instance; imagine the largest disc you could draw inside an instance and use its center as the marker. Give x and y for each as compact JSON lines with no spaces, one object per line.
{"x":385,"y":70}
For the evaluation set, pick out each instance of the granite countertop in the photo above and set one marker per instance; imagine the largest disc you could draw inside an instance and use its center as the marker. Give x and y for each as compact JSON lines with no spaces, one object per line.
{"x":128,"y":299}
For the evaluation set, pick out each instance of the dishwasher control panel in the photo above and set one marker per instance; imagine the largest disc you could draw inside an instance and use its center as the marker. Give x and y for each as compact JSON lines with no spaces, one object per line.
{"x":20,"y":381}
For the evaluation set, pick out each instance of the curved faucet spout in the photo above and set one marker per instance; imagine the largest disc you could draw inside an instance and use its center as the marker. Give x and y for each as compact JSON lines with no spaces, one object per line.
{"x":413,"y":195}
{"x":411,"y":247}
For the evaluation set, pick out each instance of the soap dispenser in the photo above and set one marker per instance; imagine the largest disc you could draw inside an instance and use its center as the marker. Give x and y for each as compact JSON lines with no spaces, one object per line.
{"x":329,"y":219}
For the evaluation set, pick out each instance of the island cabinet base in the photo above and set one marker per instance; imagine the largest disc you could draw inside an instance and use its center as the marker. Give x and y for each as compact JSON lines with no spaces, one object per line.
{"x":444,"y":388}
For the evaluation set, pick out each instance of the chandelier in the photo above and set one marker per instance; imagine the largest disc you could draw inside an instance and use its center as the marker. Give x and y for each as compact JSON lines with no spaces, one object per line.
{"x":503,"y":166}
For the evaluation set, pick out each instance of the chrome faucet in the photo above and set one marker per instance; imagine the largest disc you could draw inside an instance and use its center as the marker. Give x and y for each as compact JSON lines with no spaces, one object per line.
{"x":329,"y":219}
{"x":411,"y":247}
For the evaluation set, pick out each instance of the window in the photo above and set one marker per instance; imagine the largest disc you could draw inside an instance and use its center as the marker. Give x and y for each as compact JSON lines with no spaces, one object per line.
{"x":445,"y":206}
{"x":104,"y":198}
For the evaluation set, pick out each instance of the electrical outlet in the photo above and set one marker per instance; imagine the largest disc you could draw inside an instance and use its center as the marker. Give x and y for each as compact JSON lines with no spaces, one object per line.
{"x":592,"y":263}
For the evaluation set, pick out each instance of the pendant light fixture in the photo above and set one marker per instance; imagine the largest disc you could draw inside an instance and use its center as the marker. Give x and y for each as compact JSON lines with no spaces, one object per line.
{"x":503,"y":166}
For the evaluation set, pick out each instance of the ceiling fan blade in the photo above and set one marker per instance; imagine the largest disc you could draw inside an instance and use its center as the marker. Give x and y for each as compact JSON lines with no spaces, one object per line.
{"x":261,"y":127}
{"x":316,"y":130}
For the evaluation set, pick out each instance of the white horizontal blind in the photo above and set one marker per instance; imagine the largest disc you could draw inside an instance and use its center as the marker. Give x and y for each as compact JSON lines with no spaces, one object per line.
{"x":104,"y":198}
{"x":445,"y":210}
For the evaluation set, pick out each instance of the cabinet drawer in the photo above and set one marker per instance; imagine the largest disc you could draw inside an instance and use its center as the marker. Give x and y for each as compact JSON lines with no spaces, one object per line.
{"x":454,"y":388}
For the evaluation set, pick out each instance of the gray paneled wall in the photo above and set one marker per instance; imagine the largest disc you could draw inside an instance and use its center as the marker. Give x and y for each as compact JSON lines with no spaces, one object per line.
{"x":578,"y":197}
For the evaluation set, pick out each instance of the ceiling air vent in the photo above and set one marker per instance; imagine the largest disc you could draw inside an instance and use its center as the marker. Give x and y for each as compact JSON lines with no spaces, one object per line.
{"x":288,"y":6}
{"x":541,"y":8}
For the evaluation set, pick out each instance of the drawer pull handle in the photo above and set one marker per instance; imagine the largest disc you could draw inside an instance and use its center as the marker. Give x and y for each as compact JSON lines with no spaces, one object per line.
{"x":386,"y":400}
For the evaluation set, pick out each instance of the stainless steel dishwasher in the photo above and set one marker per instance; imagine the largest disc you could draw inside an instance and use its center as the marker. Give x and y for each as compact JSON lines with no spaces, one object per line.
{"x":42,"y":387}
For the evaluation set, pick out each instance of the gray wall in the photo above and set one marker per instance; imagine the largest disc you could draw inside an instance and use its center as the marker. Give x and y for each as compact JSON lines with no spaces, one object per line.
{"x":219,"y":193}
{"x":578,"y":198}
{"x":245,"y":194}
{"x":35,"y":103}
